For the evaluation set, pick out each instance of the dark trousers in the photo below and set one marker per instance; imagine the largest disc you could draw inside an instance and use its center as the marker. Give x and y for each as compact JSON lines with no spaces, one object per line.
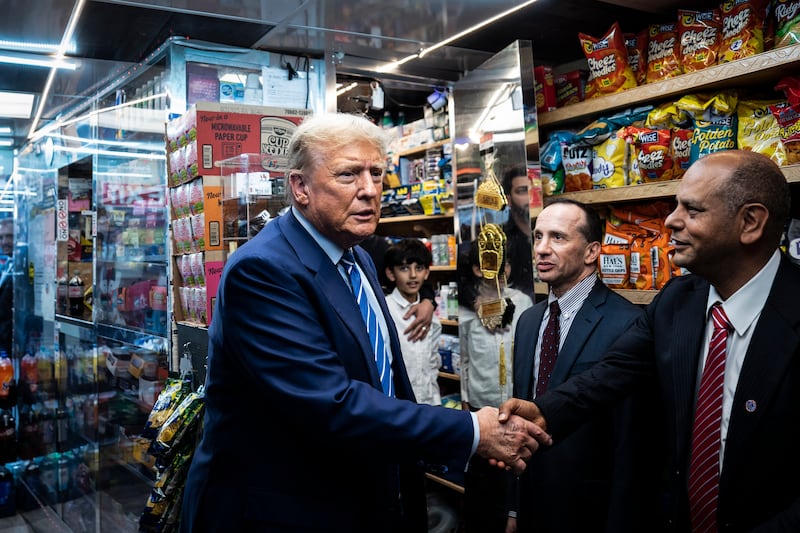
{"x":485,"y":500}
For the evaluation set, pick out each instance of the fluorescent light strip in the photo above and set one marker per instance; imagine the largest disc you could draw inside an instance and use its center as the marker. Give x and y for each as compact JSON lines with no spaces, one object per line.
{"x":65,"y":40}
{"x":112,"y":153}
{"x":6,"y":142}
{"x":5,"y":130}
{"x":32,"y":61}
{"x":340,"y":92}
{"x":424,"y":51}
{"x":25,"y":46}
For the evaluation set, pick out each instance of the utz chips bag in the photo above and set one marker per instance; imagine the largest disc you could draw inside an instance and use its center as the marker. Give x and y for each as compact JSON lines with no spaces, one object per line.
{"x":636,"y":43}
{"x":577,"y":161}
{"x":758,"y":129}
{"x":651,"y":150}
{"x":699,"y":33}
{"x":742,"y":28}
{"x":609,"y":71}
{"x":608,"y":162}
{"x":787,"y":22}
{"x":663,"y":52}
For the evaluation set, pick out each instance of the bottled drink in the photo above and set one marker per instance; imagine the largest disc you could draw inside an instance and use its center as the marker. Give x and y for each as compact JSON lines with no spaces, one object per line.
{"x":61,"y":294}
{"x":8,"y":437}
{"x":452,"y":301}
{"x":7,"y":392}
{"x":29,"y":374}
{"x":75,"y":293}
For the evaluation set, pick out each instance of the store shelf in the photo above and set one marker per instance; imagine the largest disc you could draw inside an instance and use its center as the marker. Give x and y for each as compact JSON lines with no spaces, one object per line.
{"x":449,"y":484}
{"x":762,"y":69}
{"x":443,"y":268}
{"x":449,"y":375}
{"x":636,"y":296}
{"x":421,"y":148}
{"x":540,"y":287}
{"x":413,"y":218}
{"x":448,"y":322}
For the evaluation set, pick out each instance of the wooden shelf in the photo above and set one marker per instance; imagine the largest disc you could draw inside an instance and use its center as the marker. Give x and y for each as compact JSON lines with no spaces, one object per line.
{"x":645,"y":191}
{"x":540,"y":287}
{"x":449,"y":375}
{"x":762,"y":69}
{"x":442,"y":481}
{"x":421,"y":148}
{"x":448,"y":322}
{"x":443,"y":268}
{"x":413,"y":218}
{"x":639,"y":297}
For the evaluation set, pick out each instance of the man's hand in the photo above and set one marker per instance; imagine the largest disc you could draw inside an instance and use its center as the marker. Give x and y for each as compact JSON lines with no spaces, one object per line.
{"x":527,"y":410}
{"x":510,"y":443}
{"x":423,"y":315}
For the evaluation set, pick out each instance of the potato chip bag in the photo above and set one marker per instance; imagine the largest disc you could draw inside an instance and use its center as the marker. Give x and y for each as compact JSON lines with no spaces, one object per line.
{"x":652,"y":152}
{"x":742,"y":28}
{"x":608,"y":162}
{"x":636,"y":44}
{"x":663,"y":52}
{"x":699,"y":33}
{"x":788,"y":118}
{"x":577,"y":160}
{"x":758,"y":129}
{"x":609,"y":71}
{"x":787,"y":22}
{"x":613,"y":263}
{"x":714,"y":119}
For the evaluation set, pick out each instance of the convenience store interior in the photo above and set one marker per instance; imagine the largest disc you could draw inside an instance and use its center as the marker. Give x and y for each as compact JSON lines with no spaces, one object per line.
{"x":69,"y":61}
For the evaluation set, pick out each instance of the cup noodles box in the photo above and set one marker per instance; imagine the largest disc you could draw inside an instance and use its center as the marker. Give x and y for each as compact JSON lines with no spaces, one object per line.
{"x":215,"y":132}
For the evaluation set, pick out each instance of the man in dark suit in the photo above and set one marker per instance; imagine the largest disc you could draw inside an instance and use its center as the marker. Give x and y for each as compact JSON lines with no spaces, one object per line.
{"x":728,"y":376}
{"x":584,"y":483}
{"x":301,"y":432}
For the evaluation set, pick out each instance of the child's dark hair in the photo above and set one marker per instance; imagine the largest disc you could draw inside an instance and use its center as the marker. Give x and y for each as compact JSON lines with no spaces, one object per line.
{"x":406,"y":252}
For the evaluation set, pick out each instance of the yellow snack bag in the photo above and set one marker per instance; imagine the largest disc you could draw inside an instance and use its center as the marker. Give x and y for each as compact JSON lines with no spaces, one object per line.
{"x":759,"y":131}
{"x":608,"y":162}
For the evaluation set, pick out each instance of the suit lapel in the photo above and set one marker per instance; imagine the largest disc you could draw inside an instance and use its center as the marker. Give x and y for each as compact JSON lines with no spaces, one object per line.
{"x":582,"y":326}
{"x":527,"y":335}
{"x":687,"y":337}
{"x":772,"y":348}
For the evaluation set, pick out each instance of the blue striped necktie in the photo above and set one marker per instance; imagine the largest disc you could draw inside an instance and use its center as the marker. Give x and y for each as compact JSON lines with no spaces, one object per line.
{"x":370,"y":317}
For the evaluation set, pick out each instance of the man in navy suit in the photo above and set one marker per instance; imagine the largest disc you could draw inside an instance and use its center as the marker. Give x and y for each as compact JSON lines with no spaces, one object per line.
{"x":300,"y":432}
{"x":731,"y":210}
{"x":584,"y":483}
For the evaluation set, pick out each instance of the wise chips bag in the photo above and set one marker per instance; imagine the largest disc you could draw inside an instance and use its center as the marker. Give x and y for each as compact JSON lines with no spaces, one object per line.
{"x":609,"y":71}
{"x":742,"y":28}
{"x":699,"y":36}
{"x":663,"y":52}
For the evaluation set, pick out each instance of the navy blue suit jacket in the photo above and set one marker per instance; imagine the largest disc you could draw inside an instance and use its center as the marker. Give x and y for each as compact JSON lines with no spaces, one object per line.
{"x":584,"y":482}
{"x":758,"y":488}
{"x":298,"y":434}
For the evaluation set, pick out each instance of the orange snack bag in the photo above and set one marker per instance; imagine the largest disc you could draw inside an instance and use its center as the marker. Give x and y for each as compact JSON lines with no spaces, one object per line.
{"x":742,"y":28}
{"x":636,"y":43}
{"x":614,"y":265}
{"x":663,"y":52}
{"x":699,"y":33}
{"x":609,"y":71}
{"x":651,"y":148}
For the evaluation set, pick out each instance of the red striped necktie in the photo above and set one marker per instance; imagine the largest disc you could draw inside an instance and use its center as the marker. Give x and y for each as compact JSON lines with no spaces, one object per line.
{"x":704,"y":465}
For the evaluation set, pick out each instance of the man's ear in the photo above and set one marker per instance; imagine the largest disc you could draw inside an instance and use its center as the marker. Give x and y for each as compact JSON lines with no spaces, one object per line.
{"x":299,"y":188}
{"x":591,"y":253}
{"x":754,"y":217}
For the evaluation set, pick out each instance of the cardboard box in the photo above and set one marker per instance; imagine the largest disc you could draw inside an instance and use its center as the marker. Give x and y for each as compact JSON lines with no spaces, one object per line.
{"x":196,"y":303}
{"x":544,"y":88}
{"x":570,"y":87}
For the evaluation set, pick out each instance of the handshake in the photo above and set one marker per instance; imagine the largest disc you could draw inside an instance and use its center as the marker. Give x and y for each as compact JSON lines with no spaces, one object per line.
{"x":510,"y":435}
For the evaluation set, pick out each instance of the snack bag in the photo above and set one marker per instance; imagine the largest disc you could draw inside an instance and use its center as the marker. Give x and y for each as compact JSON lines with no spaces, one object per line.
{"x":636,"y":44}
{"x":759,"y":130}
{"x":570,"y":87}
{"x":742,"y":28}
{"x":651,"y":149}
{"x":609,"y":71}
{"x":663,"y":52}
{"x":577,"y":160}
{"x":699,"y":33}
{"x":608,"y":162}
{"x":680,"y":149}
{"x":788,"y":118}
{"x":714,"y":122}
{"x":168,"y":400}
{"x":787,"y":22}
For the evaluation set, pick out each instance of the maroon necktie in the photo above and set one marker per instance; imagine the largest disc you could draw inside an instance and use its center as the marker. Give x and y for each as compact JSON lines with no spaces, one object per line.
{"x":704,"y":465}
{"x":549,"y":350}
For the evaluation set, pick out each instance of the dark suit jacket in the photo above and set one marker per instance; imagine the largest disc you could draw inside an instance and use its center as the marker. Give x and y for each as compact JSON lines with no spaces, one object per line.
{"x":583,"y":483}
{"x":298,"y":434}
{"x":759,"y":487}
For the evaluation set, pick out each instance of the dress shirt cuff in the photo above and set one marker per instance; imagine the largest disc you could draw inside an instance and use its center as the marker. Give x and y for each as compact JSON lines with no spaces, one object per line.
{"x":476,"y":437}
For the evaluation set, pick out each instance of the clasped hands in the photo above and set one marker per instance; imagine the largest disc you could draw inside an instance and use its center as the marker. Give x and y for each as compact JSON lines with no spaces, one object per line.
{"x":510,"y":435}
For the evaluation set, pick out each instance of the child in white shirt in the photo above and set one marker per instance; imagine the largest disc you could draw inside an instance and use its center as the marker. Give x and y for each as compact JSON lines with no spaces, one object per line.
{"x":407,"y":265}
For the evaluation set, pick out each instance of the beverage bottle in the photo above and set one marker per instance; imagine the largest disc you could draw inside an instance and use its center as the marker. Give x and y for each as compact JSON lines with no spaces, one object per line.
{"x":44,"y":364}
{"x":29,"y":374}
{"x":452,"y":301}
{"x":61,"y":294}
{"x":8,"y":437}
{"x":75,"y":293}
{"x":7,"y":389}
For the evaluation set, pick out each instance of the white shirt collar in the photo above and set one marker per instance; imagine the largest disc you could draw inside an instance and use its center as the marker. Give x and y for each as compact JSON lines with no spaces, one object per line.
{"x":400,"y":300}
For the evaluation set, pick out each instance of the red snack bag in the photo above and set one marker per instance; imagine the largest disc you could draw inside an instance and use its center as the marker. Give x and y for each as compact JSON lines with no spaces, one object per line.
{"x":742,"y":28}
{"x":681,"y":151}
{"x":700,"y":35}
{"x":609,"y":71}
{"x":652,"y":152}
{"x":636,"y":43}
{"x":663,"y":52}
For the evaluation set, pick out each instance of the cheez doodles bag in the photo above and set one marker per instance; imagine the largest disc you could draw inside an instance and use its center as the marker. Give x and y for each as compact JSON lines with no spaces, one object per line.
{"x":609,"y":71}
{"x":663,"y":52}
{"x":742,"y":28}
{"x":699,"y":35}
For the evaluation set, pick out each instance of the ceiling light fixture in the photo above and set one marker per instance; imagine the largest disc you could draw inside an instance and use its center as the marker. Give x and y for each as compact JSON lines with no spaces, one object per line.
{"x":6,"y":142}
{"x":66,"y":39}
{"x":29,"y":46}
{"x":5,"y":130}
{"x":424,"y":51}
{"x":31,"y":60}
{"x":16,"y":105}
